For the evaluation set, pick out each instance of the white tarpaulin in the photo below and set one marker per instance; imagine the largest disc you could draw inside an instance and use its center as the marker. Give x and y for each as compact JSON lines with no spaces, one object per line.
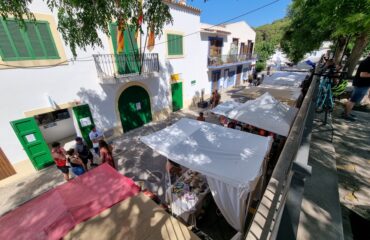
{"x":232,"y":160}
{"x":225,"y":107}
{"x":267,"y":113}
{"x":289,"y":79}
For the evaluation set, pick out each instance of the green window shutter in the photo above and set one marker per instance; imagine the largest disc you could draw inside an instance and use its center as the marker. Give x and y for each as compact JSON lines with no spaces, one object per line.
{"x":18,"y":40}
{"x":6,"y":49}
{"x":34,"y":39}
{"x":33,"y":42}
{"x":113,"y":34}
{"x":47,"y":39}
{"x":174,"y":44}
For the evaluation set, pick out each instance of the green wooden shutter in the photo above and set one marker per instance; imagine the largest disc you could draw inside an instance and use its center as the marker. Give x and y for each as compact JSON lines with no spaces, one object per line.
{"x":18,"y":40}
{"x":47,"y":39}
{"x":174,"y":44}
{"x":6,"y":48}
{"x":34,"y":40}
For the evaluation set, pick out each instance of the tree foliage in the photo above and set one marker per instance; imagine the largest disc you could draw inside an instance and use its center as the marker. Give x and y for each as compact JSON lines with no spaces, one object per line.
{"x":268,"y":38}
{"x":80,"y":21}
{"x":315,"y":21}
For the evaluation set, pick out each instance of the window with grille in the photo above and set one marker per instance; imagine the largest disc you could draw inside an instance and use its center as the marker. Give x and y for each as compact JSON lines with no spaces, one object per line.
{"x":174,"y":44}
{"x":34,"y":41}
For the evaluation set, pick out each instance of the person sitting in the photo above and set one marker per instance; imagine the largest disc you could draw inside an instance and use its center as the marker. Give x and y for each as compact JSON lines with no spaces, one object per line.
{"x":174,"y":170}
{"x":78,"y":167}
{"x":106,"y":153}
{"x":201,"y":117}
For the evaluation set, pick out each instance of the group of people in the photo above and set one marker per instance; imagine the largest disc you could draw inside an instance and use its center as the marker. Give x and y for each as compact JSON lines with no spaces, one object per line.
{"x":78,"y":157}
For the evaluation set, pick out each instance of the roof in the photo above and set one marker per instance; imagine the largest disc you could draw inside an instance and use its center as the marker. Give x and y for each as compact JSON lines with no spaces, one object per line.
{"x":183,"y":6}
{"x":218,"y":29}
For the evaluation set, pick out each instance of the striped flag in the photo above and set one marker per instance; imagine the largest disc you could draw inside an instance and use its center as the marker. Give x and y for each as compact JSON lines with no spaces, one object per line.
{"x":140,"y":18}
{"x":120,"y":38}
{"x":151,"y":40}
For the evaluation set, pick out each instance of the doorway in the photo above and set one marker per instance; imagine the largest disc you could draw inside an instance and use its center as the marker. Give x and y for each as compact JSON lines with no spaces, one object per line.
{"x":134,"y":108}
{"x":215,"y":77}
{"x":177,"y":102}
{"x":238,"y":74}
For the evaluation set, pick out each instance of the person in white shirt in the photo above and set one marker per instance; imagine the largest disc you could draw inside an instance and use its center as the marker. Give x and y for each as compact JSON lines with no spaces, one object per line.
{"x":95,"y":135}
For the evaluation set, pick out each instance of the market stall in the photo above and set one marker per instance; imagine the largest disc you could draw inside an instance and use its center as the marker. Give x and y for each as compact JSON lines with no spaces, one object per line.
{"x":266,"y":113}
{"x":232,"y":161}
{"x":223,"y":108}
{"x":283,"y":78}
{"x":287,"y":95}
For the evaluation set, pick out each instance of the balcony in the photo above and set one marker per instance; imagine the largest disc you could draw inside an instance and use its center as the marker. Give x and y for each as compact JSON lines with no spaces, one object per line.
{"x":113,"y":67}
{"x":229,"y":60}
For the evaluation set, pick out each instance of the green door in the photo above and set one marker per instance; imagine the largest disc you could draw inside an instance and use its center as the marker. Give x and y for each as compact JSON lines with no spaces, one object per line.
{"x":134,"y":108}
{"x":176,"y":89}
{"x":33,"y":142}
{"x":129,"y":60}
{"x":85,"y":121}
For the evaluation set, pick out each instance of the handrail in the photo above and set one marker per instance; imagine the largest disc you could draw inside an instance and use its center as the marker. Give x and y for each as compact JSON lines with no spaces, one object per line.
{"x":125,"y":64}
{"x":266,"y":221}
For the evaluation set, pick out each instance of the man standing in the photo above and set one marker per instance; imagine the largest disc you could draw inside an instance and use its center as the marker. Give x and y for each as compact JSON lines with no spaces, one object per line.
{"x":361,"y":85}
{"x":60,"y":159}
{"x":95,"y":135}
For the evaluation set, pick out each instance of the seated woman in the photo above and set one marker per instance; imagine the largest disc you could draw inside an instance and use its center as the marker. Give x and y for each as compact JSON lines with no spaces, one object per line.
{"x":174,"y":170}
{"x":77,"y":165}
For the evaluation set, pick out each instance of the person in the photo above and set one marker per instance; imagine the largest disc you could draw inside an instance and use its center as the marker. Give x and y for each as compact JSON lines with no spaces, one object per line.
{"x":95,"y":135}
{"x":83,"y":152}
{"x":201,"y":117}
{"x":232,"y":124}
{"x":106,"y":153}
{"x":361,"y":85}
{"x":58,"y":154}
{"x":77,"y":165}
{"x":174,"y":170}
{"x":216,"y":99}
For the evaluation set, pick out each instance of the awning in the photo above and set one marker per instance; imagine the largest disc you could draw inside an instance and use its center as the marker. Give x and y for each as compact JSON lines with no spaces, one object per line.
{"x":288,"y":79}
{"x":225,"y":107}
{"x":229,"y":155}
{"x":266,"y":113}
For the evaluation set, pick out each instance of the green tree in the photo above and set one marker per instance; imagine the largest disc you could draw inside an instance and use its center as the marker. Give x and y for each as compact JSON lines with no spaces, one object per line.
{"x":315,"y":21}
{"x":80,"y":21}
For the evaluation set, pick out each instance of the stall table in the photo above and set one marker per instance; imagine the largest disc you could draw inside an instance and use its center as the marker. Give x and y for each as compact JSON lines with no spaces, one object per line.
{"x":186,"y":196}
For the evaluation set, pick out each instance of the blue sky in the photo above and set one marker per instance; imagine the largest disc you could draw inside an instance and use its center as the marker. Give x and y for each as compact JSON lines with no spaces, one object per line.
{"x":216,"y":11}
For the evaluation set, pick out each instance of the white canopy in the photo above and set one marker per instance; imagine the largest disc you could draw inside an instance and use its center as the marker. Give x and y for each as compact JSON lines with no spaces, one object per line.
{"x":233,"y":156}
{"x":289,"y":79}
{"x":232,"y":160}
{"x":225,"y":107}
{"x":267,"y":113}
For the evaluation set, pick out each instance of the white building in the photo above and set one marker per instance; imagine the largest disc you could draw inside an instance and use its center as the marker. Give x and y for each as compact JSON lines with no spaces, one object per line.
{"x":229,"y":51}
{"x":47,"y":96}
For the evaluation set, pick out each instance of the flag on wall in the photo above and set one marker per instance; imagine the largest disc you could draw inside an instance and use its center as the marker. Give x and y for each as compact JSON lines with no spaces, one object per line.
{"x":140,"y":18}
{"x":151,"y":40}
{"x":120,"y":38}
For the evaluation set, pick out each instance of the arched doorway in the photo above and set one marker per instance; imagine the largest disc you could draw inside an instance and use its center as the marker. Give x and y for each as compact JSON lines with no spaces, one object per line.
{"x":134,"y":108}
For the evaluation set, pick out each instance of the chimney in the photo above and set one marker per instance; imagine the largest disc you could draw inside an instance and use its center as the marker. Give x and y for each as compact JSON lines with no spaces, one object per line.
{"x":182,"y":2}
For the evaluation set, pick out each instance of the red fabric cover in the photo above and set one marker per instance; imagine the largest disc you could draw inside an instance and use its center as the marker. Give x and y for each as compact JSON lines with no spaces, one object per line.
{"x":53,"y":214}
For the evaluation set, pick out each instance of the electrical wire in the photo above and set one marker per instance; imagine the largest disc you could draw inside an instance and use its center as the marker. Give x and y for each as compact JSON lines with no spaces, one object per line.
{"x":187,"y":35}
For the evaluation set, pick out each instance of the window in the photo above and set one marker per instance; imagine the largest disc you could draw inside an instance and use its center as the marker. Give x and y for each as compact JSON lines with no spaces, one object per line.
{"x":215,"y":46}
{"x":30,"y":43}
{"x":51,"y":117}
{"x":174,"y":44}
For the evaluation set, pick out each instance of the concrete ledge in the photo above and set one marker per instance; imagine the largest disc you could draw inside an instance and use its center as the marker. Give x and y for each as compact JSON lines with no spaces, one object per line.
{"x":321,"y":216}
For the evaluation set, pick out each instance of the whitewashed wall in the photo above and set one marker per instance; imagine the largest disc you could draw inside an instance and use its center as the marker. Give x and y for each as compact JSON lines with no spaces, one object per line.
{"x":26,"y":89}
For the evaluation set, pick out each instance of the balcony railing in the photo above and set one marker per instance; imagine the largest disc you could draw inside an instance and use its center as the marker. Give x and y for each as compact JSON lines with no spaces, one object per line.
{"x":229,"y":59}
{"x":111,"y":66}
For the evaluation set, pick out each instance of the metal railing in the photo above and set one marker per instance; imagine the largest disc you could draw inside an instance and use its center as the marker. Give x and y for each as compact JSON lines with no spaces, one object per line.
{"x":292,"y":164}
{"x":117,"y":65}
{"x":229,"y":59}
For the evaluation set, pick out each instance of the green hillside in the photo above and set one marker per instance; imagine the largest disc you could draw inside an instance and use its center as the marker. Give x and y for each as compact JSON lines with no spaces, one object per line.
{"x":268,"y":38}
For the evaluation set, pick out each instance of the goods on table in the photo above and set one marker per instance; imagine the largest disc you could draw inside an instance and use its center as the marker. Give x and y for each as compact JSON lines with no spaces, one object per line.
{"x":190,"y":182}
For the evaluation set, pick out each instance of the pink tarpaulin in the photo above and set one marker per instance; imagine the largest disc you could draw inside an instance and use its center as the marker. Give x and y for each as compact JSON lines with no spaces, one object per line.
{"x":56,"y":212}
